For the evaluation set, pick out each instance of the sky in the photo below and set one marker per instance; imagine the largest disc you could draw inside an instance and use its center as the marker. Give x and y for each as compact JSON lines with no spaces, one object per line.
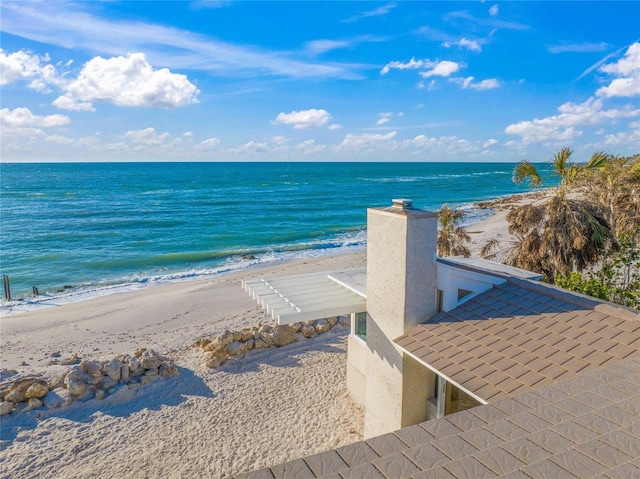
{"x":317,"y":81}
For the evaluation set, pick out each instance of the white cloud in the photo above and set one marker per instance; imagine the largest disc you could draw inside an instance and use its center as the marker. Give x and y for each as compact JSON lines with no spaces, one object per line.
{"x":335,"y":126}
{"x":443,"y":68}
{"x":472,"y":45}
{"x":309,"y":147}
{"x":631,"y":137}
{"x":628,"y":71}
{"x":410,"y":65}
{"x":382,"y":121}
{"x":23,"y":118}
{"x":58,"y":139}
{"x":280,"y":140}
{"x":209,"y":143}
{"x":65,"y":24}
{"x":366,"y":140}
{"x":318,"y":47}
{"x":563,"y":126}
{"x":621,"y":87}
{"x":148,"y":136}
{"x":578,"y":48}
{"x":251,"y":147}
{"x":66,"y":102}
{"x":304,"y":120}
{"x":493,"y":11}
{"x":128,"y":81}
{"x":380,"y":11}
{"x":490,"y":142}
{"x":22,"y":65}
{"x":468,"y":82}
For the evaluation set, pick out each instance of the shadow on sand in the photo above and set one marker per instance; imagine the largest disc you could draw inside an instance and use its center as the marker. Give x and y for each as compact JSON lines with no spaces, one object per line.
{"x":164,"y":392}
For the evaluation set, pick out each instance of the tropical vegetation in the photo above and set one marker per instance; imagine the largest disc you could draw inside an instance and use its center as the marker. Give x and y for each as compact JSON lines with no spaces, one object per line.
{"x":452,"y":237}
{"x":590,"y":221}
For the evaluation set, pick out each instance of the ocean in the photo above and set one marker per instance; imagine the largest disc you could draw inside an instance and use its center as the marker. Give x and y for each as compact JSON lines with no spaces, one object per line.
{"x":81,"y":230}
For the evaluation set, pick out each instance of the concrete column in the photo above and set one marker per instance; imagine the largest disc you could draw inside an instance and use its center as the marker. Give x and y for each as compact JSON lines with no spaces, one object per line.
{"x":401,"y":293}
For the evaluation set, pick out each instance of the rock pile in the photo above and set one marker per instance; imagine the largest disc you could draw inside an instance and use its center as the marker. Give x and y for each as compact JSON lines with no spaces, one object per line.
{"x":233,"y":343}
{"x":88,"y":380}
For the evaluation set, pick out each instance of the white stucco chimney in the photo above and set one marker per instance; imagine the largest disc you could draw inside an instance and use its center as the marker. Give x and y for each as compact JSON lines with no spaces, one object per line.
{"x":401,"y":293}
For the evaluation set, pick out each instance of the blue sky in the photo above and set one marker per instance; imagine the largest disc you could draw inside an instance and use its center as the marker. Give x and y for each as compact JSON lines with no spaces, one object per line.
{"x":317,"y":81}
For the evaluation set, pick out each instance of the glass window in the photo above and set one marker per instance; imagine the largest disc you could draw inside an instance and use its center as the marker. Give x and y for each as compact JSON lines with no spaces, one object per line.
{"x":463,"y":293}
{"x":361,"y":325}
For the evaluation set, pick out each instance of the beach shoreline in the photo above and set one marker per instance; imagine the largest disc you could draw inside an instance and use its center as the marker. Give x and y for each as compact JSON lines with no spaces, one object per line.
{"x":206,"y":421}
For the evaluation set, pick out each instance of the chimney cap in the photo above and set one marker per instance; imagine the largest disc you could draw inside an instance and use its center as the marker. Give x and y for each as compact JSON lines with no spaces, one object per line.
{"x":402,"y":203}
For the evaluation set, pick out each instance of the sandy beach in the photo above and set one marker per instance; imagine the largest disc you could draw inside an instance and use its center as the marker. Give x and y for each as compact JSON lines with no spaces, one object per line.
{"x":267,"y":406}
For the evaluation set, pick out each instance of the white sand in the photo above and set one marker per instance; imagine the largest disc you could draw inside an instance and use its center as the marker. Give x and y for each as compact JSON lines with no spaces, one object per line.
{"x":267,"y":407}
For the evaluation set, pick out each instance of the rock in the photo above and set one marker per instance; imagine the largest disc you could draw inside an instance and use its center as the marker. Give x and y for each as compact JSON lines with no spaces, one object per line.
{"x":134,"y":386}
{"x":56,"y":381}
{"x":137,"y":373}
{"x":259,"y":344}
{"x":224,"y":338}
{"x":150,"y":359}
{"x":144,"y":380}
{"x":212,"y":346}
{"x":236,"y":348}
{"x":282,"y":335}
{"x":297,"y":337}
{"x":56,"y":354}
{"x":6,"y":407}
{"x":112,"y":369}
{"x":308,"y":331}
{"x":167,"y":370}
{"x":133,"y":363}
{"x":108,"y":383}
{"x":70,"y":360}
{"x":202,"y":343}
{"x":265,"y":328}
{"x":139,"y":352}
{"x":124,"y":372}
{"x":34,"y":403}
{"x":75,"y":383}
{"x":57,"y":398}
{"x":214,"y":360}
{"x":295,"y":327}
{"x":344,"y":321}
{"x":92,"y":368}
{"x":267,"y":338}
{"x":322,"y":326}
{"x":17,"y":392}
{"x":246,"y":334}
{"x":151,"y":372}
{"x":100,"y":394}
{"x":250,"y":343}
{"x":36,"y":391}
{"x":333,"y":321}
{"x":237,"y":335}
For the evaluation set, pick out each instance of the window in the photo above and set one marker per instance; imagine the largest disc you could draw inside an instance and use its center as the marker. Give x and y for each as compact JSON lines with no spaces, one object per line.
{"x":463,"y":293}
{"x":440,"y":300}
{"x":361,"y":325}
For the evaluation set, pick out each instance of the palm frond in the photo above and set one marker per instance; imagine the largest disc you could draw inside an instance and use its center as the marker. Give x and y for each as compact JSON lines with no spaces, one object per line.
{"x":525,"y":171}
{"x":597,"y":160}
{"x":561,"y":160}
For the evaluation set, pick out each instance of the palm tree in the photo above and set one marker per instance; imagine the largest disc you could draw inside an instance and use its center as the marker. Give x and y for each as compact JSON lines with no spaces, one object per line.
{"x":565,"y":233}
{"x":616,"y":186}
{"x":451,"y":237}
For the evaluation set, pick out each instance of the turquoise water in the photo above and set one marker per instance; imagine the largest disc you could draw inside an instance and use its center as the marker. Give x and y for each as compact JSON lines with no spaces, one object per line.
{"x":78,"y":229}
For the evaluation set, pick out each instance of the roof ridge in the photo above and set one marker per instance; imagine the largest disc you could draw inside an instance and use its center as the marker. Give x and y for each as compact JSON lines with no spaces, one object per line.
{"x":578,"y":299}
